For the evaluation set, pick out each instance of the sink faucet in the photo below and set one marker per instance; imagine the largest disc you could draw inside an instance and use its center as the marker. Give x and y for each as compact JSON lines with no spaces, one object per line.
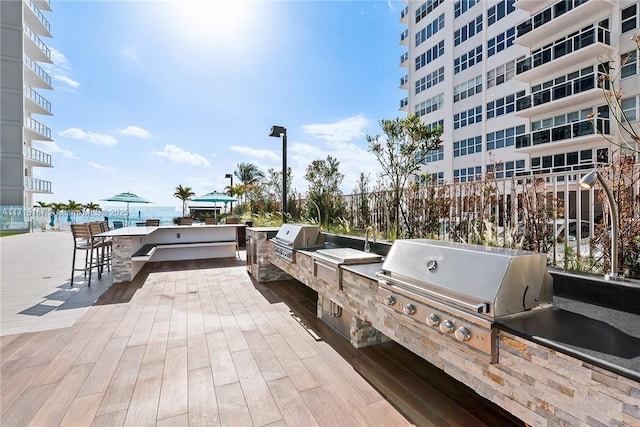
{"x":367,"y":247}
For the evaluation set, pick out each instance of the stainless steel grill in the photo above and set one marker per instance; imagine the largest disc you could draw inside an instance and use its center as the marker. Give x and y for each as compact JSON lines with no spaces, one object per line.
{"x":458,"y":290}
{"x":296,"y":236}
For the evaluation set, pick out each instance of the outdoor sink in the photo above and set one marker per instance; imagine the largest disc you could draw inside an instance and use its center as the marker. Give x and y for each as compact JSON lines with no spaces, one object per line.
{"x":348,"y":256}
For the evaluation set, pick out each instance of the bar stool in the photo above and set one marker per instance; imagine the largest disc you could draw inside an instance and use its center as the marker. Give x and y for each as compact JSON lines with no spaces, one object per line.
{"x":102,"y":245}
{"x":82,"y":241}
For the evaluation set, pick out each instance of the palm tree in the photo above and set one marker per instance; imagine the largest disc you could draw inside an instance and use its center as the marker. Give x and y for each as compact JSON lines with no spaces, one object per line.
{"x":184,"y":194}
{"x":249,"y":175}
{"x":74,"y":208}
{"x":92,"y":207}
{"x":56,"y":208}
{"x":41,"y":212}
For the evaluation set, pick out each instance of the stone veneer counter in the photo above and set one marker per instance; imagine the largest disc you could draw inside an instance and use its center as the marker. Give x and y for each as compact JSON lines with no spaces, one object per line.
{"x":573,"y":365}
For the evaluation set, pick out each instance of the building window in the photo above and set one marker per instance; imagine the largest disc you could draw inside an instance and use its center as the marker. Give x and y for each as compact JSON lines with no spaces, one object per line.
{"x":430,"y":30}
{"x":439,"y":123}
{"x":461,"y":6}
{"x":434,"y":155}
{"x":469,"y":117}
{"x":629,"y":64}
{"x":499,"y":11}
{"x":430,"y":55}
{"x":473,"y":173}
{"x":434,"y":178}
{"x":506,"y":169}
{"x":426,"y":8}
{"x":503,"y":138}
{"x":629,"y":18}
{"x":501,"y":74}
{"x":430,"y":80}
{"x":501,"y":106}
{"x":570,"y":161}
{"x":630,"y":109}
{"x":467,"y":146}
{"x":471,"y":29}
{"x":467,"y":89}
{"x":430,"y":105}
{"x":501,"y":41}
{"x":469,"y":59}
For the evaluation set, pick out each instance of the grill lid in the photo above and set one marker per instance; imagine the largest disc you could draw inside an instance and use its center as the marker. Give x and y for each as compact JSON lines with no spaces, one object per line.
{"x":299,"y":235}
{"x":508,"y":280}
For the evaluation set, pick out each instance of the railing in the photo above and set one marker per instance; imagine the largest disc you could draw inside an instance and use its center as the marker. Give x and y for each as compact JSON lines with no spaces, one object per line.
{"x":404,"y":12}
{"x":559,"y":91}
{"x":38,"y":185}
{"x":404,"y":80}
{"x":37,"y":155}
{"x":585,"y":37}
{"x":547,"y":15}
{"x":39,"y":15}
{"x":404,"y":102}
{"x":404,"y":58}
{"x":33,"y":65}
{"x":36,"y":126}
{"x":33,"y":36}
{"x":560,"y":133}
{"x":37,"y":98}
{"x":404,"y":35}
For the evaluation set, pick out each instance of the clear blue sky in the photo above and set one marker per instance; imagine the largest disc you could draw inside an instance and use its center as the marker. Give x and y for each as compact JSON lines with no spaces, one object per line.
{"x":149,"y":94}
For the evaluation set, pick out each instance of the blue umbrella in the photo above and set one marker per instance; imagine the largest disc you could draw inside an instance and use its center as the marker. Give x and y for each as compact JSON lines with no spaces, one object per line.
{"x":127,"y":198}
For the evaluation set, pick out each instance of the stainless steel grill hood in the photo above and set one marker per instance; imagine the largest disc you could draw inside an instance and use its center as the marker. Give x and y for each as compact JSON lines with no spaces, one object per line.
{"x":491,"y":281}
{"x":299,"y":236}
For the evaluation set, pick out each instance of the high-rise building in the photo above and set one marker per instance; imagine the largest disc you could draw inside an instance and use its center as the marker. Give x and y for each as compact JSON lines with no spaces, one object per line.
{"x":514,"y":84}
{"x":23,"y":26}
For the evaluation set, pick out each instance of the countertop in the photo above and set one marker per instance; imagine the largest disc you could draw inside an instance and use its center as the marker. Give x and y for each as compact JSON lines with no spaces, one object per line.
{"x":145,"y":231}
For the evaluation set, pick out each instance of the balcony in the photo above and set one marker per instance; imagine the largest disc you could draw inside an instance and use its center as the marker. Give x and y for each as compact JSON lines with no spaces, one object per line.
{"x":35,"y":76}
{"x":404,"y":59}
{"x":37,"y":157}
{"x":36,"y":103}
{"x":532,"y":5}
{"x":43,"y":4}
{"x":576,"y":134}
{"x":36,"y":130}
{"x":404,"y":81}
{"x":404,"y":38}
{"x":36,"y":185}
{"x":35,"y":18}
{"x":582,"y":47}
{"x":35,"y":47}
{"x":557,"y":18}
{"x":404,"y":104}
{"x":404,"y":16}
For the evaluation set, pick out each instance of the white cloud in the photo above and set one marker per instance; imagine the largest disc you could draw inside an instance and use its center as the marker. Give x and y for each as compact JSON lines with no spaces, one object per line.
{"x":341,"y":131}
{"x":255,"y":153}
{"x":175,"y":154}
{"x":100,"y":167}
{"x":93,"y":137}
{"x":135,"y":131}
{"x":59,"y":70}
{"x":51,"y":147}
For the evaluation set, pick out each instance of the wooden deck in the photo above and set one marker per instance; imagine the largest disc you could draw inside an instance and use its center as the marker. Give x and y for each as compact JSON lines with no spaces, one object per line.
{"x":198,"y":343}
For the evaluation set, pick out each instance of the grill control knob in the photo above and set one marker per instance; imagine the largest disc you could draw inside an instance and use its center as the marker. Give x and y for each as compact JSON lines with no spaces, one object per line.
{"x":433,"y":320}
{"x":446,"y":326}
{"x":409,"y":309}
{"x":390,"y":300}
{"x":463,"y":334}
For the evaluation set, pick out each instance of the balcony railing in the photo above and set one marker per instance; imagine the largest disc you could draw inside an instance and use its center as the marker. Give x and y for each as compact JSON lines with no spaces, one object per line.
{"x":39,"y":15}
{"x":583,"y":38}
{"x":563,"y":132}
{"x":404,"y":12}
{"x":37,"y":127}
{"x":547,"y":15}
{"x":561,"y":90}
{"x":404,"y":58}
{"x":404,"y":80}
{"x":37,"y":155}
{"x":37,"y":98}
{"x":37,"y":185}
{"x":404,"y":102}
{"x":33,"y":36}
{"x":404,"y":35}
{"x":33,"y":65}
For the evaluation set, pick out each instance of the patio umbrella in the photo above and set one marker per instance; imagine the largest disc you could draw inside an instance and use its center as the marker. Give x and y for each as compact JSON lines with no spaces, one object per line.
{"x":127,"y":198}
{"x":214,"y":197}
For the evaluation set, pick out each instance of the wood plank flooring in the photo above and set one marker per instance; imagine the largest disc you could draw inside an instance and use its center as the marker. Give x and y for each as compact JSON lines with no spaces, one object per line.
{"x":198,"y":343}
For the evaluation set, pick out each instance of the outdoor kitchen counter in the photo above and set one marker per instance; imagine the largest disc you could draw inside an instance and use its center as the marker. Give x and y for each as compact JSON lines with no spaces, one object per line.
{"x":602,"y":336}
{"x":366,"y":270}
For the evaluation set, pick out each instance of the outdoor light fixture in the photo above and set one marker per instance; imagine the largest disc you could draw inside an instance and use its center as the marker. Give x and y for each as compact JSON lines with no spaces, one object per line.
{"x":587,"y":182}
{"x":277,"y":132}
{"x":229,"y":176}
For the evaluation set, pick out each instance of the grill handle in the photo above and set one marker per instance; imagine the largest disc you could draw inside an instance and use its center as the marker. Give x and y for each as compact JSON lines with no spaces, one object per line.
{"x":482,"y":307}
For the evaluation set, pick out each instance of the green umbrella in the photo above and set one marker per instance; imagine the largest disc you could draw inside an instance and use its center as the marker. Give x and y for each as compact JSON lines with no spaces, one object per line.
{"x":214,"y":197}
{"x":127,"y":198}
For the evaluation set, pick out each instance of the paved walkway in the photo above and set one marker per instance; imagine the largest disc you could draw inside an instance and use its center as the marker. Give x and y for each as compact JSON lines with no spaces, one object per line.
{"x":35,"y":272}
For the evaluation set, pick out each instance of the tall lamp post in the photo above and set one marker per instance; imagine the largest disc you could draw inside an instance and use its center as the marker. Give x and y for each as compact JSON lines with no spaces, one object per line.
{"x":229,"y":176}
{"x":277,"y":132}
{"x":587,"y":182}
